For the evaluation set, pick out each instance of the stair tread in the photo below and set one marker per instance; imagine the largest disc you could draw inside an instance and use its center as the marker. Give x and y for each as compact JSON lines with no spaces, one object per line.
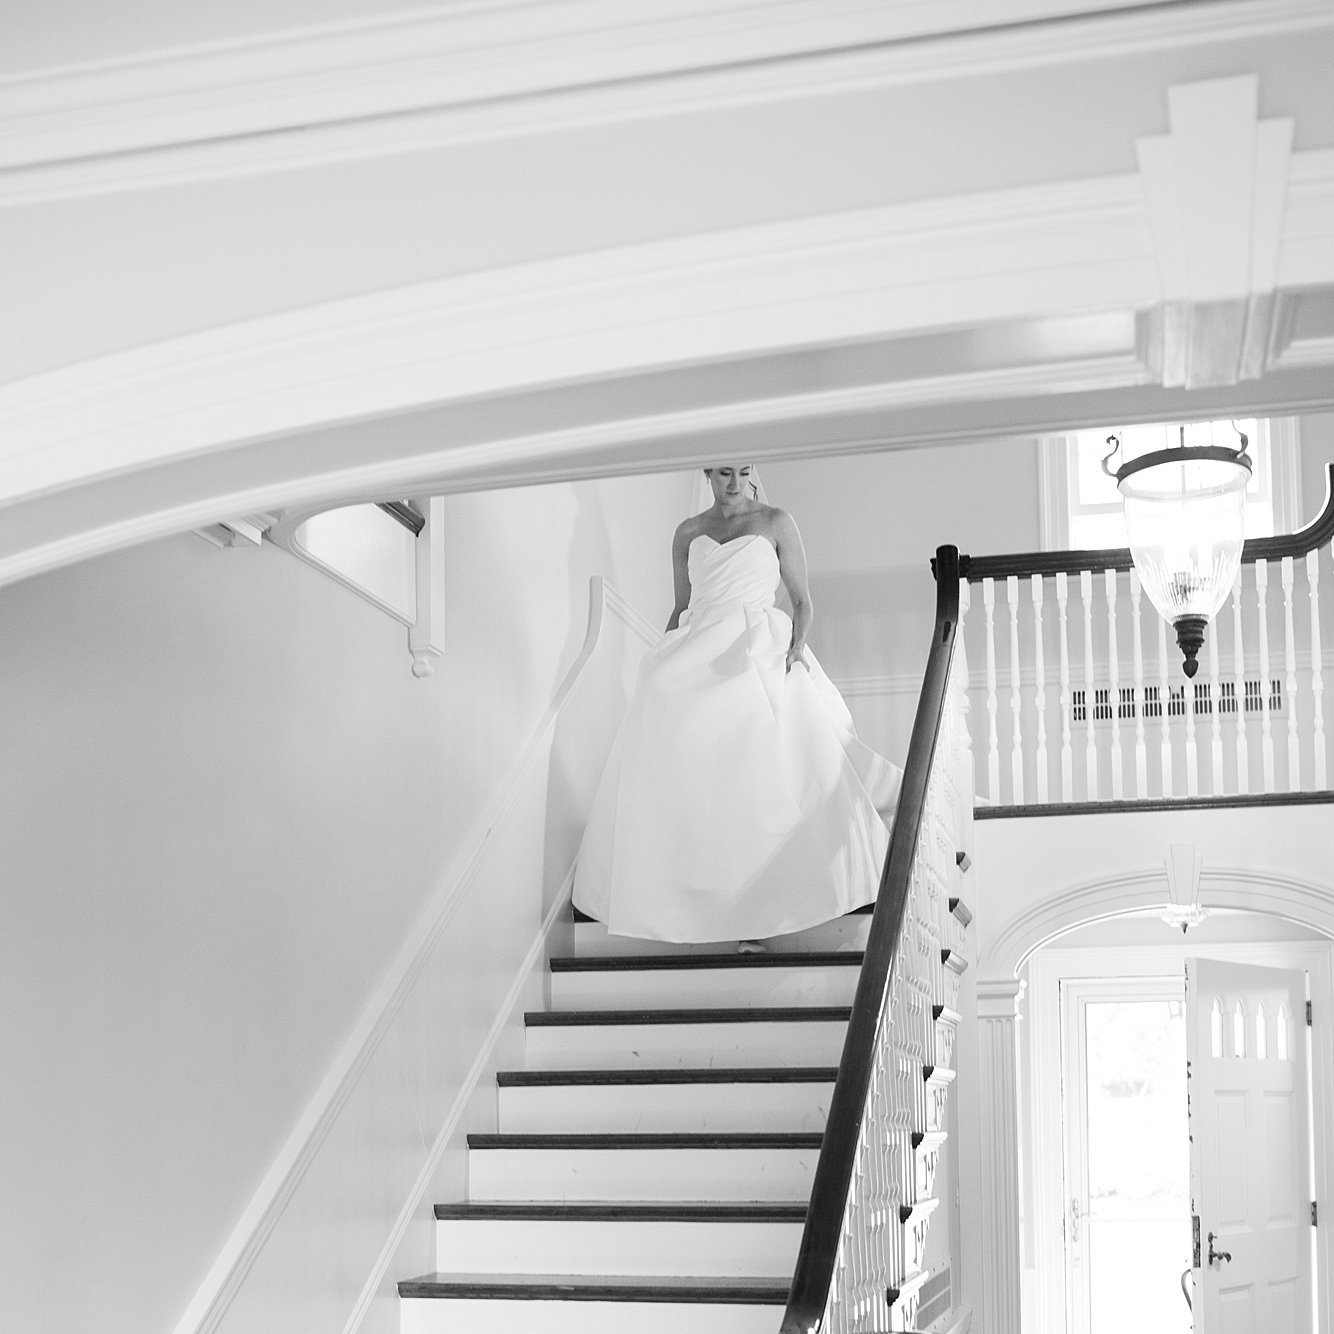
{"x":578,"y":916}
{"x":721,"y":1015}
{"x":767,"y":1139}
{"x":797,"y":1074}
{"x":605,"y":963}
{"x":601,"y":1210}
{"x":603,"y":1287}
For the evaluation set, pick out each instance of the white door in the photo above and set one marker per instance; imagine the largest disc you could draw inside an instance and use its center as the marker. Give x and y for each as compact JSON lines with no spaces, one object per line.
{"x":1249,"y":1148}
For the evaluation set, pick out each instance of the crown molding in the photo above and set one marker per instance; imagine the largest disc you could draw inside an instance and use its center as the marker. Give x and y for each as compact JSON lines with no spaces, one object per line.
{"x":413,"y":82}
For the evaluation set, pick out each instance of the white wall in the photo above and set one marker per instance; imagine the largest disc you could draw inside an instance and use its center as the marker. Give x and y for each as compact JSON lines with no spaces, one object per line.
{"x":224,"y":803}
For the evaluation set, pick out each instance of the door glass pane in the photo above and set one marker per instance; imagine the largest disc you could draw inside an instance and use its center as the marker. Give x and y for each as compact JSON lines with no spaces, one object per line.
{"x":1138,"y":1226}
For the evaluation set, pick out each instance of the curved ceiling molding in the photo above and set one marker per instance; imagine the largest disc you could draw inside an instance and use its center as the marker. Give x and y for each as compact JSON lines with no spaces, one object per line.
{"x":938,"y":319}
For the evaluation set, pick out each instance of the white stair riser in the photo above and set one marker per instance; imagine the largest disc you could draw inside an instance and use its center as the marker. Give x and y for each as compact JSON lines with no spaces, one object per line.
{"x":644,"y":1175}
{"x":678,"y":1046}
{"x":446,"y":1316}
{"x":847,"y":933}
{"x":663,"y":1249}
{"x":664,"y":1107}
{"x":680,"y":988}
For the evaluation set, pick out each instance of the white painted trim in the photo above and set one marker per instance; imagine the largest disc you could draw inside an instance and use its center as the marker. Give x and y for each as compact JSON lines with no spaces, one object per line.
{"x":227,"y":1274}
{"x":409,"y":82}
{"x":746,"y":290}
{"x":506,"y":1016}
{"x":1103,"y":897}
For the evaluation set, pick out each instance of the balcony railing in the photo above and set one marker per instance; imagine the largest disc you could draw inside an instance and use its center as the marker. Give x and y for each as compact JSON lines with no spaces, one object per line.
{"x":1077,"y":687}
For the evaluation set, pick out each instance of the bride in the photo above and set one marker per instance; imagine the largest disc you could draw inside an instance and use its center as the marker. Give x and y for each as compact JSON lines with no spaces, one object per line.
{"x":737,"y":802}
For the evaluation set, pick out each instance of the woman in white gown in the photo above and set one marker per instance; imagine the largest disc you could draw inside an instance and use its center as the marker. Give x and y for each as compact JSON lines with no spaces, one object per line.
{"x":737,"y":802}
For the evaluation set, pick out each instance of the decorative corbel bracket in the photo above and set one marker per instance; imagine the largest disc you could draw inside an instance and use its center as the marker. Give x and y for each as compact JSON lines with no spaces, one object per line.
{"x":426,"y":634}
{"x":1215,"y":189}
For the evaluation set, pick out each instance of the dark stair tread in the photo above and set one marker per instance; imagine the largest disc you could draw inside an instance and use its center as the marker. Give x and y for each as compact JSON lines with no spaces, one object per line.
{"x":806,"y":1139}
{"x":780,"y":1074}
{"x":607,"y":963}
{"x":721,"y":1015}
{"x":602,"y":1211}
{"x":593,"y":1288}
{"x":863,"y":911}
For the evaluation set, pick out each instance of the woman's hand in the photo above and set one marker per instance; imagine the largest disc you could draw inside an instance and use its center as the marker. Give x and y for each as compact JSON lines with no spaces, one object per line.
{"x":797,"y":654}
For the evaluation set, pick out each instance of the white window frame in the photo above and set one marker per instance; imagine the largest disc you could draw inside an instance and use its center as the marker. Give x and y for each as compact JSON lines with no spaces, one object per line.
{"x":1279,"y":443}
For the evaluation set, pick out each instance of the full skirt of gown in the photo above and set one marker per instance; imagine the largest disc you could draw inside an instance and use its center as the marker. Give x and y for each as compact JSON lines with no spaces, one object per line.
{"x":737,"y":801}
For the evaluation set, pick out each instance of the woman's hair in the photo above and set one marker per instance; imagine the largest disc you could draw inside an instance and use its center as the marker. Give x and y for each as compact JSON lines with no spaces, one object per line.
{"x":754,"y":479}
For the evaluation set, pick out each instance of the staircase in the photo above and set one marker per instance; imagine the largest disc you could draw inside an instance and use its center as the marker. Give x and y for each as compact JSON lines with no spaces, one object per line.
{"x":655,"y":1156}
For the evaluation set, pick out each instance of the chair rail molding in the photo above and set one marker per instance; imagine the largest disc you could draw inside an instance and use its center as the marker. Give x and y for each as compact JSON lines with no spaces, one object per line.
{"x":408,"y":82}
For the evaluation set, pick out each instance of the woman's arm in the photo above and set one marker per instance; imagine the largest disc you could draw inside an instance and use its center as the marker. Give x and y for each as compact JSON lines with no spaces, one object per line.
{"x":680,"y":573}
{"x":792,"y":570}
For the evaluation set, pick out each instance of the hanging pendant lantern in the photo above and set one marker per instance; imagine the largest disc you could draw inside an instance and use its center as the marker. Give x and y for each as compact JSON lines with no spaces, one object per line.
{"x":1184,"y":509}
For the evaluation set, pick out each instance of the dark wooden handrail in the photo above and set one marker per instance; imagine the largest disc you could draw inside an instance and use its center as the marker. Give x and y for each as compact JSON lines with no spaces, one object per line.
{"x":403,"y":511}
{"x":1316,"y":533}
{"x":833,"y":1173}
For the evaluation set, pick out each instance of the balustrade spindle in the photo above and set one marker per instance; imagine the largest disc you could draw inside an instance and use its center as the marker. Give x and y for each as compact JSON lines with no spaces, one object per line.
{"x":1216,"y":783}
{"x":1164,"y":709}
{"x":1040,"y":688}
{"x":1192,"y":750}
{"x":1141,"y":753}
{"x":993,"y":737}
{"x":1090,"y":736}
{"x":1239,"y":677}
{"x":1067,"y":759}
{"x":1016,"y":696}
{"x":1290,"y":659}
{"x":1266,"y":720}
{"x":1317,"y":667}
{"x":1113,"y":685}
{"x":961,"y":657}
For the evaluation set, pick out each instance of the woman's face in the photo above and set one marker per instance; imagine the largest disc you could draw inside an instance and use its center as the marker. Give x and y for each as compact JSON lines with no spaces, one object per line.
{"x":730,"y":482}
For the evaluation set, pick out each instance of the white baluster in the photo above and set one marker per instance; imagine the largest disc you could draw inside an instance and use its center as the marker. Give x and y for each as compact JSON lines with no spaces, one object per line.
{"x":964,"y":740}
{"x":1141,"y":753}
{"x":1239,"y":668}
{"x":1216,"y":784}
{"x":1317,"y":668}
{"x":1290,"y":652}
{"x":1040,"y":693}
{"x":1016,"y":697}
{"x":1090,"y":737}
{"x":1164,"y":700}
{"x":1266,"y":721}
{"x":1192,"y":751}
{"x":993,"y":742}
{"x":1113,"y":685}
{"x":1067,"y":760}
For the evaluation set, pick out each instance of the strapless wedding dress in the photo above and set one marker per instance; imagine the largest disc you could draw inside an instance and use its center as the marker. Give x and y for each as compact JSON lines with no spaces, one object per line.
{"x":737,"y":801}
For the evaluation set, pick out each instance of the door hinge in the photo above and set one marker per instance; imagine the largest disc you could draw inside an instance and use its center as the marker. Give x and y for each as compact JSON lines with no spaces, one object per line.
{"x":1195,"y":1240}
{"x":1313,"y":1217}
{"x":1308,"y":1014}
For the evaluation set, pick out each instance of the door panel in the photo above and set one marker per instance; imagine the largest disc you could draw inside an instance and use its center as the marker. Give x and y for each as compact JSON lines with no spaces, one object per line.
{"x":1249,"y":1147}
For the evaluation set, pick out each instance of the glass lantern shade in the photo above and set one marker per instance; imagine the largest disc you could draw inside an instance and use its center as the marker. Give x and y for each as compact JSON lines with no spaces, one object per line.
{"x":1184,"y":518}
